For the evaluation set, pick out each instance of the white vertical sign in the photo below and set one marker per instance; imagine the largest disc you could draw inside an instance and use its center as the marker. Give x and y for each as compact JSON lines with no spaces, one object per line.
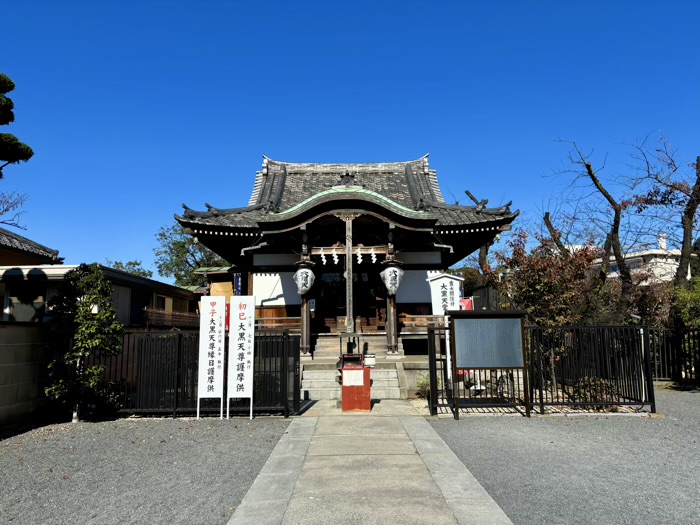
{"x":241,"y":347}
{"x":212,"y":315}
{"x":444,"y":292}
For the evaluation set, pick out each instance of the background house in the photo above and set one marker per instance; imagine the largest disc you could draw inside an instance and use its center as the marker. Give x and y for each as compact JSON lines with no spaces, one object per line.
{"x":17,"y":250}
{"x":657,"y":264}
{"x":24,"y":351}
{"x":139,"y":301}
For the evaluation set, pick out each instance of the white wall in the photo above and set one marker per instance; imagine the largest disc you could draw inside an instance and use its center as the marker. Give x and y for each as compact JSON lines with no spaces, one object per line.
{"x":663,"y":269}
{"x":275,"y":289}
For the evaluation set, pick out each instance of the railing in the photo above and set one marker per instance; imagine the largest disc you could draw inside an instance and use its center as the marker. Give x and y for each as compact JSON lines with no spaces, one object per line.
{"x":157,"y":373}
{"x":159,"y":317}
{"x":591,"y":367}
{"x":579,"y":367}
{"x":419,"y":324}
{"x":675,"y":355}
{"x":687,"y":365}
{"x":293,"y":324}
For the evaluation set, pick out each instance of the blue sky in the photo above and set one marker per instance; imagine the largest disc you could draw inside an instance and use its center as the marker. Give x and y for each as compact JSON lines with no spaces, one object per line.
{"x":134,"y":107}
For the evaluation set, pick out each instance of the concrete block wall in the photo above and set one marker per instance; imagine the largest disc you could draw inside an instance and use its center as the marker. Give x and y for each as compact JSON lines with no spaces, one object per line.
{"x":24,"y":359}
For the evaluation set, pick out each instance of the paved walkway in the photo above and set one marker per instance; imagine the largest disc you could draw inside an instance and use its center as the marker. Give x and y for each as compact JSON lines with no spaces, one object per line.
{"x":386,"y":467}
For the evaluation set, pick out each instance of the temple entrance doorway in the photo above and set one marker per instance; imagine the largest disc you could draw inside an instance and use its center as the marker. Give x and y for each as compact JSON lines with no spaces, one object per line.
{"x":369,"y":301}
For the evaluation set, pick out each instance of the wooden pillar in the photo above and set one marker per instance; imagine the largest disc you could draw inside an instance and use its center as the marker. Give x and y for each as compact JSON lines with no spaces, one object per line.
{"x":392,"y":328}
{"x":392,"y":332}
{"x":349,"y":318}
{"x":349,"y":314}
{"x":305,"y":262}
{"x":305,"y":325}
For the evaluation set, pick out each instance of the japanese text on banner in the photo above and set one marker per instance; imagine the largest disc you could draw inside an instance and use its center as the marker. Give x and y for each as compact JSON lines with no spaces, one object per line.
{"x":241,"y":347}
{"x":211,"y":347}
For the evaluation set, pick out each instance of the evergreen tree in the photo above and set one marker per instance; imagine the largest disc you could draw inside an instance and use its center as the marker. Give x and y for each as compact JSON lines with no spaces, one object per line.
{"x":85,"y":325}
{"x":134,"y":267}
{"x":178,"y":255}
{"x":12,"y":151}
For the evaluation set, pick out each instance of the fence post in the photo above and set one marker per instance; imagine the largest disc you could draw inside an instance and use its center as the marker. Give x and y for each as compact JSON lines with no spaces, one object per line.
{"x":676,"y":354}
{"x":178,"y":365}
{"x":286,"y":343}
{"x":432,"y":356}
{"x":540,"y":366}
{"x":647,"y":368}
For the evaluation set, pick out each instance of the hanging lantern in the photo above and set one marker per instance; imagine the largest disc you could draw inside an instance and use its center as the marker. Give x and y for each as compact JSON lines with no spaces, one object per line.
{"x":391,"y":276}
{"x":304,"y":279}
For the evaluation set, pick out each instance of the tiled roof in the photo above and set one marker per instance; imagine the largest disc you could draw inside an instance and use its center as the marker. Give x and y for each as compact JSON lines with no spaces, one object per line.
{"x":16,"y":242}
{"x":284,"y":187}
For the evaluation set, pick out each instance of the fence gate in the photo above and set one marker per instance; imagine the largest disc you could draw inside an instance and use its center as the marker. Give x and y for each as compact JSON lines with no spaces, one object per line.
{"x":440,"y":385}
{"x":157,"y":373}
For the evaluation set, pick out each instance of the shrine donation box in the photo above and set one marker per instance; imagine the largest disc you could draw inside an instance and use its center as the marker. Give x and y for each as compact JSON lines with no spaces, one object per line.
{"x":355,"y":380}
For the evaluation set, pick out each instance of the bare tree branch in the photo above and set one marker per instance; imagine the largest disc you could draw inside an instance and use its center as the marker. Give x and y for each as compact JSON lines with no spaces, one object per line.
{"x":555,"y":235}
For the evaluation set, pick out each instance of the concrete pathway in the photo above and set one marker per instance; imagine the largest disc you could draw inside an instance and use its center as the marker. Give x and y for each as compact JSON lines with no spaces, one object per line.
{"x":387,"y":467}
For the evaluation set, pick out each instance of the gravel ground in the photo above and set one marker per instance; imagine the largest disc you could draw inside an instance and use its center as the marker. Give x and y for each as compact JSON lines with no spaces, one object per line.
{"x":128,"y":471}
{"x":615,"y":469}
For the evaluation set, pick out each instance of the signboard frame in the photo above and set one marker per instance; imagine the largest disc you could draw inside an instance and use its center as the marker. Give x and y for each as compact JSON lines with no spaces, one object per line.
{"x":455,"y":344}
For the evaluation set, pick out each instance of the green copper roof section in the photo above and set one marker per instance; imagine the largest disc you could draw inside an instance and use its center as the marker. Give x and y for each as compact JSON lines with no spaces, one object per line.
{"x":352,"y":191}
{"x":214,"y":269}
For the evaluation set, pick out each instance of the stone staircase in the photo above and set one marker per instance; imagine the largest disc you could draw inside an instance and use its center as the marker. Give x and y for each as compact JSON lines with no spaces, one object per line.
{"x":328,"y":346}
{"x":321,"y":381}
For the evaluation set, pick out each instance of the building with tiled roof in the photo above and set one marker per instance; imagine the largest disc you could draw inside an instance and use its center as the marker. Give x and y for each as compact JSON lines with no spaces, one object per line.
{"x":15,"y":249}
{"x":345,"y":223}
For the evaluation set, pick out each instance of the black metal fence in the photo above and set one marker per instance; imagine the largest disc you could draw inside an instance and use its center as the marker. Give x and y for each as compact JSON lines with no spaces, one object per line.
{"x":470,"y":388}
{"x":438,"y":364}
{"x":675,"y":355}
{"x":592,"y":367}
{"x":583,"y":367}
{"x":157,"y":373}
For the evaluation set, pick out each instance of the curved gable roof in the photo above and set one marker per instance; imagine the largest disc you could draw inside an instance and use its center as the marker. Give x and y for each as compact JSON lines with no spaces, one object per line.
{"x":283,"y":189}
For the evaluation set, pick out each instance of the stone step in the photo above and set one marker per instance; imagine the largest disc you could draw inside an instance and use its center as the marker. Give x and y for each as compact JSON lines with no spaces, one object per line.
{"x":333,"y":364}
{"x":318,"y":394}
{"x":385,"y":383}
{"x":320,"y":374}
{"x":378,"y":373}
{"x":372,"y":344}
{"x":336,"y":393}
{"x":320,"y":381}
{"x":308,"y":384}
{"x":375,"y":373}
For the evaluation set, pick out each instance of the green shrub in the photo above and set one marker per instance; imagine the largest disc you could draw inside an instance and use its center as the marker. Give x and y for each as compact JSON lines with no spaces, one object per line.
{"x":423,"y":388}
{"x":595,"y":390}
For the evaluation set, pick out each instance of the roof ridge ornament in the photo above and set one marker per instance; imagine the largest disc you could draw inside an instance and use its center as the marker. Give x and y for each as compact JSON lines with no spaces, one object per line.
{"x":348,"y":179}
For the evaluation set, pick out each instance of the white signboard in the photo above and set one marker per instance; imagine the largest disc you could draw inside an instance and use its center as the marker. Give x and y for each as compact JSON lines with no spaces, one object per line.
{"x":444,"y":292}
{"x":241,"y":349}
{"x":212,"y":312}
